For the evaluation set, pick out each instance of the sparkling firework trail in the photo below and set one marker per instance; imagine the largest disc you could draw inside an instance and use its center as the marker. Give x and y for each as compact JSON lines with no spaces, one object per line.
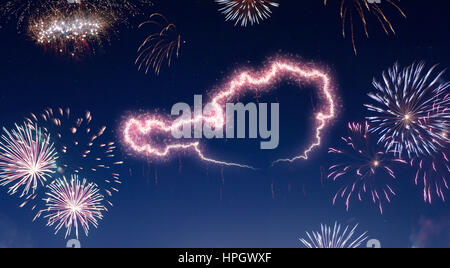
{"x":159,"y":46}
{"x":246,"y":11}
{"x":334,"y":238}
{"x":363,"y":8}
{"x":83,"y":147}
{"x":433,"y":173}
{"x":408,"y":116}
{"x":363,"y":168}
{"x":243,"y":83}
{"x":27,"y":159}
{"x":74,"y":203}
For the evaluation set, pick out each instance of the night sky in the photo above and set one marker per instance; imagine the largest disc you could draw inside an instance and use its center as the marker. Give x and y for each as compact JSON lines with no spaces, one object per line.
{"x":183,"y":202}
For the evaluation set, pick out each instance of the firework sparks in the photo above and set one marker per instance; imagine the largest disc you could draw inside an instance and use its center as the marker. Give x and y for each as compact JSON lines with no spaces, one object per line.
{"x":246,"y":11}
{"x":116,"y":11}
{"x":408,"y":117}
{"x":74,"y":203}
{"x":363,"y":8}
{"x":83,"y":148}
{"x":433,"y":170}
{"x":27,"y":159}
{"x":243,"y":83}
{"x":160,"y":46}
{"x":71,"y":27}
{"x":329,"y":237}
{"x":24,"y":10}
{"x":75,"y":34}
{"x":432,"y":173}
{"x":369,"y":171}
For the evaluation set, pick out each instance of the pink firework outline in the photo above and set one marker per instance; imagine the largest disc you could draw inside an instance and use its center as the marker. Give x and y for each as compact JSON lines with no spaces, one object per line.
{"x":242,"y":83}
{"x":74,"y":203}
{"x":27,"y":158}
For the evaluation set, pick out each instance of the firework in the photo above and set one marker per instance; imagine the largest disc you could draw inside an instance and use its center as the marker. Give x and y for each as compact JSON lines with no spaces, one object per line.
{"x":74,"y":34}
{"x":329,"y":237}
{"x":135,"y":128}
{"x":246,"y":11}
{"x":160,"y":46}
{"x":363,"y":168}
{"x":115,"y":11}
{"x":71,"y":27}
{"x":27,"y":159}
{"x":24,"y":10}
{"x":363,"y":9}
{"x":74,"y":203}
{"x":409,"y":111}
{"x":83,"y":147}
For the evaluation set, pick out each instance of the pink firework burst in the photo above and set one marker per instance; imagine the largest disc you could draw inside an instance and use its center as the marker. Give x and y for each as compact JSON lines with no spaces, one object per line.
{"x":73,"y":203}
{"x":363,"y":168}
{"x":27,"y":159}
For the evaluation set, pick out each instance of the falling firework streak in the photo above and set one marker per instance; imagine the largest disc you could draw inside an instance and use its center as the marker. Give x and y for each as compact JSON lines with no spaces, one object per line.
{"x":433,"y":173}
{"x":242,"y":83}
{"x":334,"y":238}
{"x":159,"y":46}
{"x":363,"y":8}
{"x":433,"y":170}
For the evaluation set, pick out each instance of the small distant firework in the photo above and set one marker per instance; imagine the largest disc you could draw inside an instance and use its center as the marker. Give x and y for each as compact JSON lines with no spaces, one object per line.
{"x":247,"y":11}
{"x":73,"y":203}
{"x":408,"y":114}
{"x":160,"y":46}
{"x":364,"y":8}
{"x":27,"y":159}
{"x":83,"y":148}
{"x":73,"y":35}
{"x":334,"y":238}
{"x":364,"y":168}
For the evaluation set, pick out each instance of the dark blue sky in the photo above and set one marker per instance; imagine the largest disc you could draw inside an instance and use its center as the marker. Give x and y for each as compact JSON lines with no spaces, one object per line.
{"x":186,"y":208}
